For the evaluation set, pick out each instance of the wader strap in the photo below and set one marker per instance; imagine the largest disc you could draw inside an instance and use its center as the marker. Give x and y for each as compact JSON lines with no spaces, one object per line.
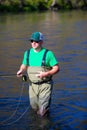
{"x":28,"y":52}
{"x":44,"y":58}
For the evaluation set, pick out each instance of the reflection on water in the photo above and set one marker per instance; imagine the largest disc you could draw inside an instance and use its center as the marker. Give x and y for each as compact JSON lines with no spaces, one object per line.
{"x":65,"y":34}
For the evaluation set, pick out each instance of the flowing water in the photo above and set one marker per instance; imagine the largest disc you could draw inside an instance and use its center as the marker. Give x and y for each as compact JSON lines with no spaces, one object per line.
{"x":66,"y":35}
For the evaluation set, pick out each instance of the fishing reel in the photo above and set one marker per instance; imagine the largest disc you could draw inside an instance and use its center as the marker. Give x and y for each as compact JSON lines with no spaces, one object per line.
{"x":24,"y":78}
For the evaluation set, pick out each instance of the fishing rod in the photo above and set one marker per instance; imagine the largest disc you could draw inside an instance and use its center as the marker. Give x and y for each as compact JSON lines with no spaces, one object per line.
{"x":8,"y":75}
{"x":12,"y":75}
{"x":24,"y":77}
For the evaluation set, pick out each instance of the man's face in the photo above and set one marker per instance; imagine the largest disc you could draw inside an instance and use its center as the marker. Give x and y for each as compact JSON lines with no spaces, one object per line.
{"x":36,"y":44}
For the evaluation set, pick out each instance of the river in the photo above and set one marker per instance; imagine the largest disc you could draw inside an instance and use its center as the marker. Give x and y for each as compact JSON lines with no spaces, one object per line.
{"x":66,"y":35}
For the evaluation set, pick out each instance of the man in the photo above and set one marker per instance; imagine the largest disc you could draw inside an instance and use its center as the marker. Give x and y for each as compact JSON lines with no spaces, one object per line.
{"x":41,"y":65}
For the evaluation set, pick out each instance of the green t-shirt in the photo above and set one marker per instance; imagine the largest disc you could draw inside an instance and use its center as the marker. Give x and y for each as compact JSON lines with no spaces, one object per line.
{"x":35,"y":58}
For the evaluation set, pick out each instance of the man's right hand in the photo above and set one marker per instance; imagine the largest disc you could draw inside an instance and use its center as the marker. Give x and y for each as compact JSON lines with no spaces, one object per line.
{"x":19,"y":73}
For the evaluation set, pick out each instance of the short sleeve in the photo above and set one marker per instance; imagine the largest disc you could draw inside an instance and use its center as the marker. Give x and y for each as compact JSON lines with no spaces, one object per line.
{"x":51,"y":59}
{"x":24,"y":61}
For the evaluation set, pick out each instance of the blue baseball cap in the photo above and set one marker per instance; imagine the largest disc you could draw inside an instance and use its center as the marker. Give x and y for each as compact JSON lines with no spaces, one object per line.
{"x":37,"y":36}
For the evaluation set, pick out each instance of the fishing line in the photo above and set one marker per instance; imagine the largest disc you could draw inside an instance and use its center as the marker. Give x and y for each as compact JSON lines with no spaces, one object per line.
{"x":3,"y":123}
{"x":16,"y":107}
{"x":10,"y":123}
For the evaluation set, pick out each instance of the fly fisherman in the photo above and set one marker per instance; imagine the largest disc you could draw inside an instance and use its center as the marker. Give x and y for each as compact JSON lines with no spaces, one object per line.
{"x":40,"y":65}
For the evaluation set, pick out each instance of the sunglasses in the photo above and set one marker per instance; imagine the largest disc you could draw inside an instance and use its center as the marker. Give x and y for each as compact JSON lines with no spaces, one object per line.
{"x":35,"y":41}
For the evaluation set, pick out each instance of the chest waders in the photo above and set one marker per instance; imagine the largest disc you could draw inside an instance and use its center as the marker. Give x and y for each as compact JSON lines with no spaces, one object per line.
{"x":34,"y":70}
{"x":40,"y":89}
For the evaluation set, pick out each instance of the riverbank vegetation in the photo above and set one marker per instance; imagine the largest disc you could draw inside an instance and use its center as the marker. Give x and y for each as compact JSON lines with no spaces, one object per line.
{"x":41,"y":5}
